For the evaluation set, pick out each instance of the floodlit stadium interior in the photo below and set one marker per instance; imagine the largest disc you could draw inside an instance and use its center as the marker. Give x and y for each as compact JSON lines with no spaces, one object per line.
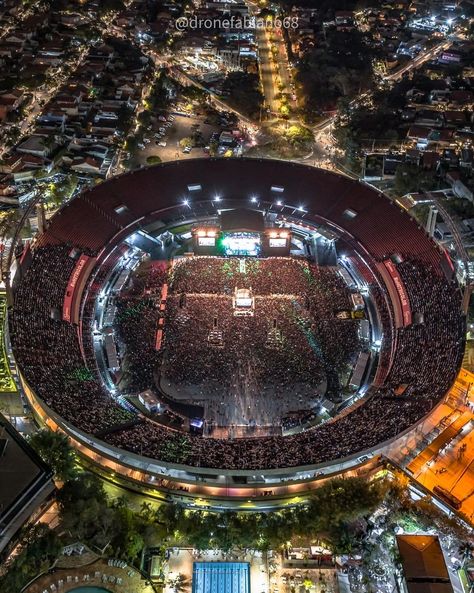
{"x":236,"y":296}
{"x":233,"y":332}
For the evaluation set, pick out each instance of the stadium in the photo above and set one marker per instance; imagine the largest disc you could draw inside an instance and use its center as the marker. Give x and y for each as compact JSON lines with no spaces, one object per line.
{"x":221,"y":328}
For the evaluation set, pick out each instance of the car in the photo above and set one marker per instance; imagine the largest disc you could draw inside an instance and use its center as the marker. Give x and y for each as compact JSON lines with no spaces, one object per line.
{"x":141,"y":146}
{"x":187,"y":149}
{"x":162,"y":143}
{"x":162,"y":118}
{"x":168,"y":124}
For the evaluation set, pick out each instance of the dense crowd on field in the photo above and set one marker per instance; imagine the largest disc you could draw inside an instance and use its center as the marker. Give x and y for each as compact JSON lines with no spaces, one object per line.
{"x":293,"y":335}
{"x":268,"y":276}
{"x":205,"y":341}
{"x":429,"y":353}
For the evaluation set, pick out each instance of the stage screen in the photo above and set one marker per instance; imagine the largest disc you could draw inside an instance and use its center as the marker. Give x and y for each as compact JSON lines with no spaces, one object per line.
{"x":206,"y":241}
{"x":277,"y":243}
{"x":241,"y":244}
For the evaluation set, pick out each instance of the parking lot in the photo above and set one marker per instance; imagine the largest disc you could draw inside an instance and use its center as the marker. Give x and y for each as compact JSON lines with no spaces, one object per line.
{"x":182,"y":128}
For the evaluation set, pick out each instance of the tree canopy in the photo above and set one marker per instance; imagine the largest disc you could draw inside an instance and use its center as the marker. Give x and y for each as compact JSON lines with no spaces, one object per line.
{"x":244,"y":92}
{"x":55,"y":450}
{"x":338,"y":68}
{"x":409,"y":178}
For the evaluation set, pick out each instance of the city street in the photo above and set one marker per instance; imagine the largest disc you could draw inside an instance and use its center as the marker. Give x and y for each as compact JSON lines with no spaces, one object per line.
{"x":267,"y":72}
{"x":284,"y":67}
{"x":452,"y":466}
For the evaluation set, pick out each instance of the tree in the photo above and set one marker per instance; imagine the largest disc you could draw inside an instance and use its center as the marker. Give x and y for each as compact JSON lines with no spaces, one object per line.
{"x":144,"y":117}
{"x":169,"y":516}
{"x":124,"y":118}
{"x":85,"y":512}
{"x":334,"y":70}
{"x":333,"y":513}
{"x":55,"y":450}
{"x":343,"y":499}
{"x":409,"y":178}
{"x":39,"y":546}
{"x":153,"y":160}
{"x":299,"y":136}
{"x":244,"y":92}
{"x":127,"y":541}
{"x":193,"y":93}
{"x":178,"y":583}
{"x":187,"y":141}
{"x":131,"y":145}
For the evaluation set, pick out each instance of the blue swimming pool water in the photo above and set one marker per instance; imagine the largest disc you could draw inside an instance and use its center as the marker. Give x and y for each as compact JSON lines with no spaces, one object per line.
{"x":90,"y":590}
{"x":221,"y":577}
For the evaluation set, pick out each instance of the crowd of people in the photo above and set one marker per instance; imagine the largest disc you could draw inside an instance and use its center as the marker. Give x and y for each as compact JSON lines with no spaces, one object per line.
{"x":47,"y":348}
{"x":429,"y":353}
{"x":136,"y":321}
{"x":205,"y":342}
{"x":250,"y":369}
{"x":279,"y":359}
{"x":293,"y":335}
{"x":430,"y":350}
{"x":217,"y":275}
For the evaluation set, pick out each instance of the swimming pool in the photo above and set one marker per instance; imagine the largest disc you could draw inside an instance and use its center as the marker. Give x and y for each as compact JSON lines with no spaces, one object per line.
{"x":221,"y":577}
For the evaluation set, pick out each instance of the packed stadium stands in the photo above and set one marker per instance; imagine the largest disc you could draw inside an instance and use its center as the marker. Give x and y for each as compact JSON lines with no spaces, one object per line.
{"x":416,"y":375}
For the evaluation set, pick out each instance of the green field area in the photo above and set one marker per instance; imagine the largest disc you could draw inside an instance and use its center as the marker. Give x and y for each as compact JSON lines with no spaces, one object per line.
{"x":7,"y":384}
